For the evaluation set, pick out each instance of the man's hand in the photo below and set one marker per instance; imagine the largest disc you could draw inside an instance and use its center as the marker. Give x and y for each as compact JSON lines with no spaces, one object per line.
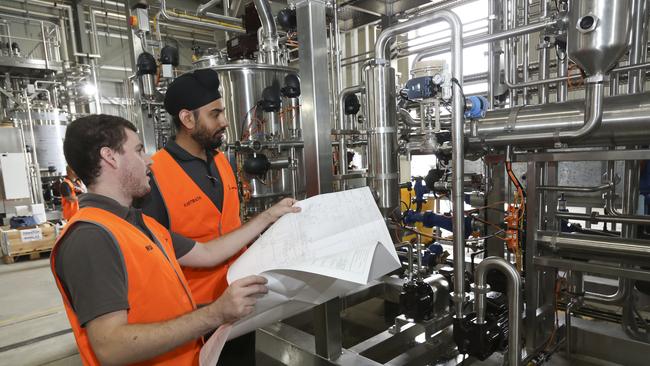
{"x":238,"y":300}
{"x":116,"y":342}
{"x":279,"y":209}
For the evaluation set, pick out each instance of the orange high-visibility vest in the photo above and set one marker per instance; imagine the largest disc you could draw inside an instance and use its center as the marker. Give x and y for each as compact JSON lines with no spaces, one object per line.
{"x":157,"y":290}
{"x":69,"y":208}
{"x":193,"y":214}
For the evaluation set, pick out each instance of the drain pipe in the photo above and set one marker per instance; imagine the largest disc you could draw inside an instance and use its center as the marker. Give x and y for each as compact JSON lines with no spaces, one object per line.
{"x":514,"y":302}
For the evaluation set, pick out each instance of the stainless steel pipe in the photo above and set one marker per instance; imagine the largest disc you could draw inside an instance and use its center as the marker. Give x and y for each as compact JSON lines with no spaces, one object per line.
{"x":485,"y":38}
{"x":270,"y":31}
{"x":602,"y":187}
{"x":623,"y":219}
{"x":639,"y":46}
{"x":514,"y":301}
{"x":625,"y":121}
{"x":590,"y":244}
{"x":203,"y":23}
{"x":592,"y":119}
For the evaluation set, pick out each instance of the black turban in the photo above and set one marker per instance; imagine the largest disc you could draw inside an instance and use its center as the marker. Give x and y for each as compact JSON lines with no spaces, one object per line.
{"x":192,"y":90}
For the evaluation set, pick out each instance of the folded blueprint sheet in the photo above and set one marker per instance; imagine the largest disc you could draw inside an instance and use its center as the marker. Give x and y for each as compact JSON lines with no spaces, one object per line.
{"x":338,"y":242}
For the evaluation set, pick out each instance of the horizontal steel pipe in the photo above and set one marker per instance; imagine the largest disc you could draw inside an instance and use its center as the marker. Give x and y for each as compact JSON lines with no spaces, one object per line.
{"x":595,"y":217}
{"x":625,"y":121}
{"x":589,"y":244}
{"x":602,"y":187}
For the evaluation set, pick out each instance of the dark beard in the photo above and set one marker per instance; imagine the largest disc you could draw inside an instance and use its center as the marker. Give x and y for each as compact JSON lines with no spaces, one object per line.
{"x":206,"y":140}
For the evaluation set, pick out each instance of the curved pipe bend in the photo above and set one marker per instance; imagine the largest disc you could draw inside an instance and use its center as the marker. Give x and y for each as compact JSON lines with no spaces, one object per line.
{"x":514,"y":302}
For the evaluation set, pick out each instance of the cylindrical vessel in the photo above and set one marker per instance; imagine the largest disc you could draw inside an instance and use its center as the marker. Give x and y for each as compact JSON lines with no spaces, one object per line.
{"x":49,"y":132}
{"x":598,"y":33}
{"x":383,"y":171}
{"x":242,"y":85}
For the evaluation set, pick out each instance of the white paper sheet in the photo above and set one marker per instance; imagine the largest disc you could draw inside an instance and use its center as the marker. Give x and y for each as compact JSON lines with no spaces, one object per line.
{"x":338,"y":241}
{"x":212,"y":348}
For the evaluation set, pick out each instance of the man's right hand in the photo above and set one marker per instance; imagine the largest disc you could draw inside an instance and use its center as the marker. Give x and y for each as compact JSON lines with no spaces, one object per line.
{"x":239,"y":299}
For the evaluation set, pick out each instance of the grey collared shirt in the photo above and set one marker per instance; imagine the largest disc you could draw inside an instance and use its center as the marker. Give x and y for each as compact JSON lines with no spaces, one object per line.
{"x":90,"y":265}
{"x":204,"y":173}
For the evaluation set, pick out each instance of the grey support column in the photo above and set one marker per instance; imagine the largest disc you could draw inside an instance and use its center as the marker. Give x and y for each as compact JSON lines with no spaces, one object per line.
{"x":316,"y":129}
{"x":315,"y":108}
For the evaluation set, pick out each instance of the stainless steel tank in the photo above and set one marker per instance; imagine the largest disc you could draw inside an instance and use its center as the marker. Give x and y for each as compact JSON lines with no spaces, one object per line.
{"x":49,"y":132}
{"x":599,"y":33}
{"x":273,"y":133}
{"x":242,"y":85}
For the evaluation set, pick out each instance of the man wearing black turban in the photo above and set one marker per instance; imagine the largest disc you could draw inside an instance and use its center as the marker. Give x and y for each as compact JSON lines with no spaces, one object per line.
{"x":194,"y":190}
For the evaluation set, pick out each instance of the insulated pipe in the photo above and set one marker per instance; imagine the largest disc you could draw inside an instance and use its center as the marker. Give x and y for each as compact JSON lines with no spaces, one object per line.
{"x":204,"y":7}
{"x":197,"y":21}
{"x":625,"y":121}
{"x":514,"y":302}
{"x":270,"y":41}
{"x":592,"y":120}
{"x":458,"y":151}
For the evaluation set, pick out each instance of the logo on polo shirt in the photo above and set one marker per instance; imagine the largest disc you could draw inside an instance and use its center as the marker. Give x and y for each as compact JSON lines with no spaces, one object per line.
{"x":192,"y":201}
{"x":148,"y":247}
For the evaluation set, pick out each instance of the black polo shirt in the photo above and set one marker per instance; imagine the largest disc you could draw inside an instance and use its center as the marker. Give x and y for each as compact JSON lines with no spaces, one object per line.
{"x":204,"y":174}
{"x":90,"y":264}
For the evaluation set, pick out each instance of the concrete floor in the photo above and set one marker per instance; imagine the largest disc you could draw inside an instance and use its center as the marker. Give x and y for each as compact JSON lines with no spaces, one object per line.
{"x":34,"y":329}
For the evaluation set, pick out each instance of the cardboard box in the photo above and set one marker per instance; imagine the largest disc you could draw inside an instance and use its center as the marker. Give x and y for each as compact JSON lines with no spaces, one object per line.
{"x":16,"y":242}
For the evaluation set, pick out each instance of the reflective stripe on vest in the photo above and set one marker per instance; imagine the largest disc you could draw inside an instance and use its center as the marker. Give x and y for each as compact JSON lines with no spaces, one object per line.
{"x":69,"y":208}
{"x":193,"y":214}
{"x":157,"y":290}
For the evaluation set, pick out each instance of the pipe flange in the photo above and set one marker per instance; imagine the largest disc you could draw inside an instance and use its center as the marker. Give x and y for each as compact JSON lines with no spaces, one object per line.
{"x":383,"y":130}
{"x":597,"y":78}
{"x":480,"y":290}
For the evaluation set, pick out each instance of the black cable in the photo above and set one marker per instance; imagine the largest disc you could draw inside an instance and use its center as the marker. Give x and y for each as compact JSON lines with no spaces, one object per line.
{"x":243,"y":122}
{"x":407,"y":206}
{"x":454,"y":80}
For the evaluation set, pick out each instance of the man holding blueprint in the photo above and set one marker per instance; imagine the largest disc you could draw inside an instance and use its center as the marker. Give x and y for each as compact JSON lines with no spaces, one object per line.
{"x":338,"y":242}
